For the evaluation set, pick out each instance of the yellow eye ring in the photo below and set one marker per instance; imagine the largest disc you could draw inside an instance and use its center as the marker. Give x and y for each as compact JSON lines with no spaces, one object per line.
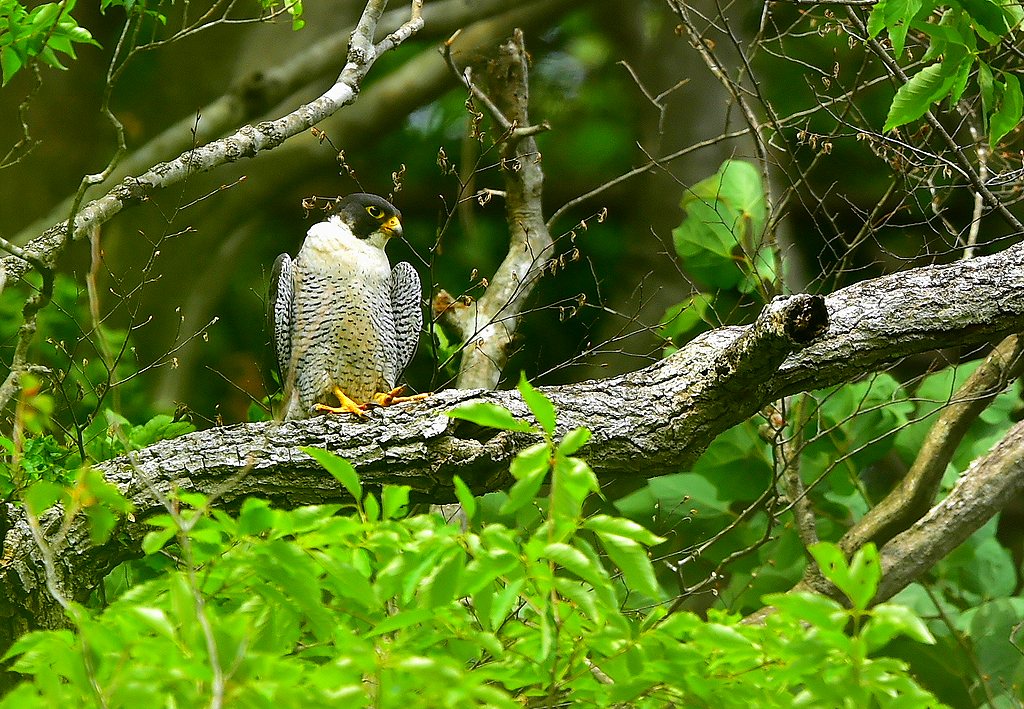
{"x":375,"y":211}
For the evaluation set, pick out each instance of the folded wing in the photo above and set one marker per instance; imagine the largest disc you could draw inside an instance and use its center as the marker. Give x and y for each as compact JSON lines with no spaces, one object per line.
{"x":407,"y":310}
{"x":279,"y":311}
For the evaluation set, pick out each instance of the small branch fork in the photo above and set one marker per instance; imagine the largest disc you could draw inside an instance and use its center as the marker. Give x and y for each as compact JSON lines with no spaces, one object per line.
{"x":489,"y":324}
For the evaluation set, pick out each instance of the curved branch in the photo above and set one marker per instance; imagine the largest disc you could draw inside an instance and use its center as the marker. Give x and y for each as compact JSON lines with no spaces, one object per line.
{"x":916,"y":492}
{"x":985,"y":489}
{"x":246,"y":142}
{"x":257,"y":92}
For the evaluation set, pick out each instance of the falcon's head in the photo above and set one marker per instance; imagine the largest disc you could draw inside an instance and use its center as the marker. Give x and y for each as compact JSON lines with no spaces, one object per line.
{"x":371,"y":218}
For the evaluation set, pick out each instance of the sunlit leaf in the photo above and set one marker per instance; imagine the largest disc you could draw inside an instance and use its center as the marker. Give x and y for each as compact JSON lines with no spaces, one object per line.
{"x":395,"y":500}
{"x":573,"y":441}
{"x":915,"y":97}
{"x":43,"y":495}
{"x":632,"y":560}
{"x":465,"y":497}
{"x":529,"y":467}
{"x":484,"y":413}
{"x":1007,"y":116}
{"x":604,"y":524}
{"x":339,"y":468}
{"x":542,"y":408}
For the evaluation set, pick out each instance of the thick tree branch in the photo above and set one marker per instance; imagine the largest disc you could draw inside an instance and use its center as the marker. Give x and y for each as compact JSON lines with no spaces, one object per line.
{"x":674,"y":409}
{"x":650,"y":422}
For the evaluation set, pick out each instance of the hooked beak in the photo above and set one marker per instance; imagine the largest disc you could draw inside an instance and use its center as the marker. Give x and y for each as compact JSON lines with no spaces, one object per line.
{"x":392,"y":227}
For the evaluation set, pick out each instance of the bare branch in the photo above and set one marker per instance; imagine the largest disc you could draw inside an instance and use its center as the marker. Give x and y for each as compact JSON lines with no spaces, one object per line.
{"x":916,"y":492}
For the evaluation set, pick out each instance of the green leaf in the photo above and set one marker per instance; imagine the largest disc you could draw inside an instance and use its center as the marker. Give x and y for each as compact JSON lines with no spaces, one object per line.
{"x":726,"y":214}
{"x":529,"y":468}
{"x":858,"y":579}
{"x":988,"y":15}
{"x":571,"y":482}
{"x":961,"y":77}
{"x":503,"y":602}
{"x":484,"y":413}
{"x":895,"y":16}
{"x":401,"y":620}
{"x":101,"y":523}
{"x":255,"y":517}
{"x":44,"y":15}
{"x":687,"y":315}
{"x":888,"y":621}
{"x":155,"y":540}
{"x":338,"y":467}
{"x":632,"y":560}
{"x":42,"y":496}
{"x":465,"y":497}
{"x":987,"y":87}
{"x":818,"y":610}
{"x":1008,"y":114}
{"x":103,"y":493}
{"x":155,"y":619}
{"x":441,"y":587}
{"x":10,"y":62}
{"x":583,"y":597}
{"x":573,"y":441}
{"x":371,"y":508}
{"x":542,"y":408}
{"x":395,"y":500}
{"x":604,"y":524}
{"x":916,"y":96}
{"x":577,"y":562}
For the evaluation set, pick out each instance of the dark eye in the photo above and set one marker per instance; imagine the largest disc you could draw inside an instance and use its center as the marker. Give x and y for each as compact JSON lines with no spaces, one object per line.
{"x":375,"y":211}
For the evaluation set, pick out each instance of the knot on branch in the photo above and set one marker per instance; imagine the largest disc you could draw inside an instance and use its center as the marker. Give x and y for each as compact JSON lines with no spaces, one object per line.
{"x":130,"y":190}
{"x":802,"y":317}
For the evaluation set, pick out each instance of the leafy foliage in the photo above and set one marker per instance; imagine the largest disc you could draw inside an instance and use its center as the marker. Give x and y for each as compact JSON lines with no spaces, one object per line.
{"x":313,"y":606}
{"x":42,"y":33}
{"x":960,"y":39}
{"x":722,"y":245}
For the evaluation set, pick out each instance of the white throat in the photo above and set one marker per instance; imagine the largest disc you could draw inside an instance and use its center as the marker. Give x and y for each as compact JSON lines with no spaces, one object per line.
{"x":332,"y":241}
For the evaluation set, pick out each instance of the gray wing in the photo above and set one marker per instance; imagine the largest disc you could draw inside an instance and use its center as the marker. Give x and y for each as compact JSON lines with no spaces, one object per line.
{"x":279,"y":311}
{"x":407,"y":309}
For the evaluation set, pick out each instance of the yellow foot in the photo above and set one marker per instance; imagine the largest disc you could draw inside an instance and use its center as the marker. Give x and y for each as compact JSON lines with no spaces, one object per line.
{"x":346,"y":405}
{"x":387,"y":398}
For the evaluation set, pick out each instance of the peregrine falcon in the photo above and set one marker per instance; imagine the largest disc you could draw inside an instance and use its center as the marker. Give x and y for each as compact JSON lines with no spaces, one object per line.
{"x":345,"y":323}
